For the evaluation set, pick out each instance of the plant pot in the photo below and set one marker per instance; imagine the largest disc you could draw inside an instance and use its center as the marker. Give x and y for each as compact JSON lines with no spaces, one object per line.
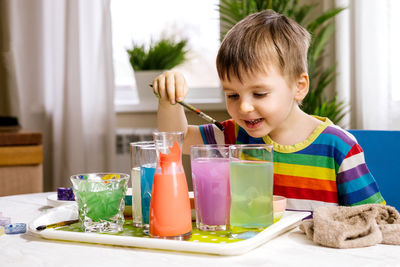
{"x":143,"y":79}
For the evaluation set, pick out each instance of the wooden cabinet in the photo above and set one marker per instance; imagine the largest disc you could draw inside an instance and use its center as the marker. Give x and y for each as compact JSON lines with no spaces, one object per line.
{"x":21,"y":158}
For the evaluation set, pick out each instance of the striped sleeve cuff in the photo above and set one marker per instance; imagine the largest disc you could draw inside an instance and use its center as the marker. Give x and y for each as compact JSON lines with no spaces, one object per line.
{"x":355,"y":183}
{"x":207,"y":134}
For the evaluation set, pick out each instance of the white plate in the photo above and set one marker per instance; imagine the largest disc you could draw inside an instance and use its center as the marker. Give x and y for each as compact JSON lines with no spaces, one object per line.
{"x":54,"y":202}
{"x":288,"y":221}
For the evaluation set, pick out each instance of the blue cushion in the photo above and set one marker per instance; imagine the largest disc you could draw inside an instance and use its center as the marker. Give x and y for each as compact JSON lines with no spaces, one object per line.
{"x":382,"y":155}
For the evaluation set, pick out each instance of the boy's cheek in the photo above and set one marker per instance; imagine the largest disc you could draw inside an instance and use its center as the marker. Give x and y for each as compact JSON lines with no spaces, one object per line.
{"x":229,"y":109}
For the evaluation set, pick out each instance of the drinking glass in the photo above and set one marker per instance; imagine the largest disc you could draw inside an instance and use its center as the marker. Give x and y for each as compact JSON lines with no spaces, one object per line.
{"x":210,"y":176}
{"x":251,"y":184}
{"x":100,"y":198}
{"x":143,"y":164}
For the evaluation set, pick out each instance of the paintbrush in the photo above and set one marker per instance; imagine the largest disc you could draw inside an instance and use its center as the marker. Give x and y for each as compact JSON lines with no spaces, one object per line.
{"x":198,"y":112}
{"x":54,"y":225}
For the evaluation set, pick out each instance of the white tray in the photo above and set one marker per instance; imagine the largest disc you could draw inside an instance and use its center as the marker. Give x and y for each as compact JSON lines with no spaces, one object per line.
{"x":288,"y":221}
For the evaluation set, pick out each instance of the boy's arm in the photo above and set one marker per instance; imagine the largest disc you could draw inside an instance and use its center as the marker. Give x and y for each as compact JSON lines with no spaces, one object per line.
{"x":355,"y":183}
{"x":173,"y":118}
{"x":171,"y":87}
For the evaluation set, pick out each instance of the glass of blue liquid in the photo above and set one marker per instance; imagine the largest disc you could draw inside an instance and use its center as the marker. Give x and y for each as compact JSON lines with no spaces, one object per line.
{"x":148,"y":162}
{"x":146,"y":182}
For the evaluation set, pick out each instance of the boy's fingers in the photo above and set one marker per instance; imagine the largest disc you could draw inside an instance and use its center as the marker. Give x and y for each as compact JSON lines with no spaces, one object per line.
{"x":180,"y":85}
{"x":170,"y":87}
{"x":161,"y":86}
{"x":155,"y":88}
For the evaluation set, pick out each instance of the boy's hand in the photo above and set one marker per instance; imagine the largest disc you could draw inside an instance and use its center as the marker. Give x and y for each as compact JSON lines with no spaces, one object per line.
{"x":170,"y":86}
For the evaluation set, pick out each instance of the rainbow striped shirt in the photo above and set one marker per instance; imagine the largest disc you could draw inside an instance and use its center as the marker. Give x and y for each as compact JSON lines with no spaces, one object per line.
{"x":327,"y":168}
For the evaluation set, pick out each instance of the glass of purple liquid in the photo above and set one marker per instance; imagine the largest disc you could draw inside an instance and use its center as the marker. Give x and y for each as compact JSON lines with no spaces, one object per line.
{"x":210,"y":176}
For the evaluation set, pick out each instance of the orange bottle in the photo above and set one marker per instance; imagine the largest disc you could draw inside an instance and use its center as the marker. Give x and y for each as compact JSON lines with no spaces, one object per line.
{"x":170,"y":214}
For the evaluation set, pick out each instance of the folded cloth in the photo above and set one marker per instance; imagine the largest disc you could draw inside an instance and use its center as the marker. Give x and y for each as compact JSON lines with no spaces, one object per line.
{"x":388,"y":221}
{"x":352,"y":227}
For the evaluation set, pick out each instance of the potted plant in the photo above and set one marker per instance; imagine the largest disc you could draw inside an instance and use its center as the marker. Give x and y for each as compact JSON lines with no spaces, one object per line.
{"x":149,"y":62}
{"x":321,"y":28}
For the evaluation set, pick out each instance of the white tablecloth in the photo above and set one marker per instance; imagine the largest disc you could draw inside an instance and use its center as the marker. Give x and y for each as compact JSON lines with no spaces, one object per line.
{"x":290,"y":249}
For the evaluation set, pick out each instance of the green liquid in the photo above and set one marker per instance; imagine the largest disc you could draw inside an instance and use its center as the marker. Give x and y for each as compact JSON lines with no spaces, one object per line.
{"x":251,"y":196}
{"x":101,"y":205}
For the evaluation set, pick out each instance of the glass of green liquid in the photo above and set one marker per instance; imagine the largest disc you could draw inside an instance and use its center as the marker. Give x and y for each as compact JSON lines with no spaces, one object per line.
{"x":100,"y":198}
{"x":251,"y":185}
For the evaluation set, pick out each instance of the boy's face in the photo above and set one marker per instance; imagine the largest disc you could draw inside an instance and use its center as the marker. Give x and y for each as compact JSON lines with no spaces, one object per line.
{"x":261,"y":103}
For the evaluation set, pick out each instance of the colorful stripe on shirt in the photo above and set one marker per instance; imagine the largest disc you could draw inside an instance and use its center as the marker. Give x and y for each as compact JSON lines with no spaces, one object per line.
{"x":328,"y":168}
{"x":207,"y":134}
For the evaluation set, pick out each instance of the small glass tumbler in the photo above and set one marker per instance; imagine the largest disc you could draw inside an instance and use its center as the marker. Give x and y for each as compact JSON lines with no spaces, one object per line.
{"x":100,"y":198}
{"x":251,"y":183}
{"x":210,"y":175}
{"x":143,"y":163}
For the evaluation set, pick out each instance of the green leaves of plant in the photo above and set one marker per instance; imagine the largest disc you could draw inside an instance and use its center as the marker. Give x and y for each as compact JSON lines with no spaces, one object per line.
{"x":161,"y":55}
{"x":316,"y":23}
{"x":331,"y":109}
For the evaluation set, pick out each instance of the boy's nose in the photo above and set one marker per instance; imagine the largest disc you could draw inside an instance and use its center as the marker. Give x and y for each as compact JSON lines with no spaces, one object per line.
{"x":246,"y":106}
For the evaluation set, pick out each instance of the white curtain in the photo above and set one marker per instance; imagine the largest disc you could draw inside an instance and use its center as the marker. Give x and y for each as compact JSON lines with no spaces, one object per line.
{"x":365,"y":56}
{"x":60,"y":61}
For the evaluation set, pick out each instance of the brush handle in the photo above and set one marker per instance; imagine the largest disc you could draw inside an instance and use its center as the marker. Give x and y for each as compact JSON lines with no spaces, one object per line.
{"x":42,"y":227}
{"x":200,"y":113}
{"x":203,"y":115}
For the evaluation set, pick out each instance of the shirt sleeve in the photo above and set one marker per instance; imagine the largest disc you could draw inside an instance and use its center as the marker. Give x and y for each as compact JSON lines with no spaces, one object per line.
{"x":355,"y":183}
{"x":229,"y":131}
{"x":207,"y":134}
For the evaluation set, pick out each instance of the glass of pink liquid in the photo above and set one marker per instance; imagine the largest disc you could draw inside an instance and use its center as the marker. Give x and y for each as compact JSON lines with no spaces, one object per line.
{"x":210,"y":176}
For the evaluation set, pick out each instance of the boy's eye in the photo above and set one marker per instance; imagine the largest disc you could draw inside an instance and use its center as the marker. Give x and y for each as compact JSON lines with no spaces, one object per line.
{"x":233,"y":96}
{"x":260,"y":95}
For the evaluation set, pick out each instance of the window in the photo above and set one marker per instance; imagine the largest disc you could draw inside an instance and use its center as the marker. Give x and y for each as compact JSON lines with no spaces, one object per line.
{"x":142,"y":21}
{"x":369,"y":62}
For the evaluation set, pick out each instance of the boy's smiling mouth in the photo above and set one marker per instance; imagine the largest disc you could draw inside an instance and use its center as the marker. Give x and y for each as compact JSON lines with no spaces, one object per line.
{"x":253,"y":123}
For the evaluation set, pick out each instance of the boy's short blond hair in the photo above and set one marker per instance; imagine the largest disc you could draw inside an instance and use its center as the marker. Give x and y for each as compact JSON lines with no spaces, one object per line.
{"x":262,"y":40}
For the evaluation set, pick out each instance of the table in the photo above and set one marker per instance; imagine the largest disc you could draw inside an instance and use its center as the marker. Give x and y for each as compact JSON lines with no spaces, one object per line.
{"x":289,"y":249}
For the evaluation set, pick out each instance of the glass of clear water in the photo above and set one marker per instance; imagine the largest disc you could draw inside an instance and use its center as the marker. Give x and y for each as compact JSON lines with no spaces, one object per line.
{"x":143,"y":163}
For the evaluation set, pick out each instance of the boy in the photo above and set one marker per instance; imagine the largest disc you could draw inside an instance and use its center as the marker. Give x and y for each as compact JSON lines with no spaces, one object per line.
{"x":262,"y":65}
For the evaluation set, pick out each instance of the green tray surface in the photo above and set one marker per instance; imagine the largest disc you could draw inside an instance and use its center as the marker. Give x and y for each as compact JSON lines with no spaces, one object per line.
{"x":197,"y":235}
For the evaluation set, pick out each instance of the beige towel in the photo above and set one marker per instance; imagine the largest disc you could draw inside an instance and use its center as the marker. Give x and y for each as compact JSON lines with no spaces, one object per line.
{"x":352,"y":227}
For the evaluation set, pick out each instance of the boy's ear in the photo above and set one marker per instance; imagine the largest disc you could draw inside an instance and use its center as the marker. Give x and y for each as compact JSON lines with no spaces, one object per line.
{"x":302,"y":87}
